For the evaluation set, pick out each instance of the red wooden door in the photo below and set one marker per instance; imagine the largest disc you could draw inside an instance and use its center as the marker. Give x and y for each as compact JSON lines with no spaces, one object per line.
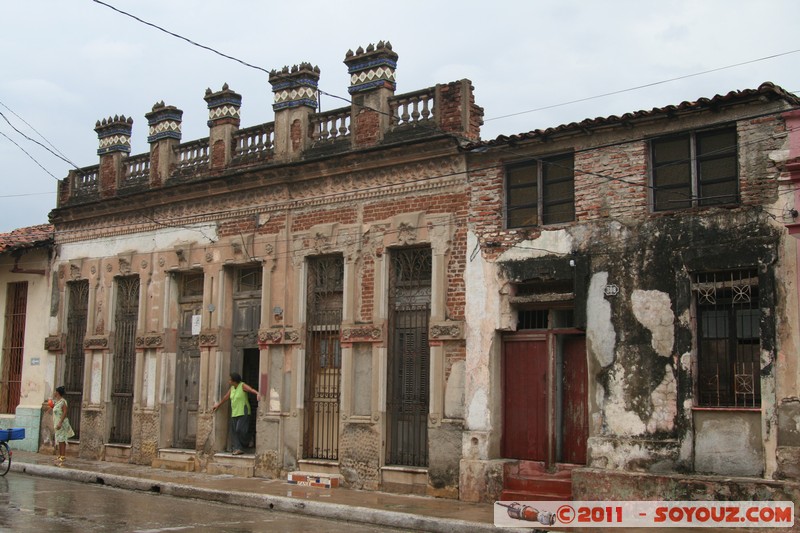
{"x":525,"y":363}
{"x":575,"y":415}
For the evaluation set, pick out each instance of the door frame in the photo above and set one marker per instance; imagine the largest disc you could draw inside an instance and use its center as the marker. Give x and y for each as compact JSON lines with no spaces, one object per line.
{"x":551,"y":338}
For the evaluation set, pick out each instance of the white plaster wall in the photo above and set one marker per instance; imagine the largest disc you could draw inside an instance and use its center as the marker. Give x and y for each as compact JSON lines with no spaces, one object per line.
{"x":144,"y":242}
{"x":482,"y":319}
{"x":37,"y":379}
{"x":548,"y":243}
{"x":600,"y":335}
{"x":653,"y":309}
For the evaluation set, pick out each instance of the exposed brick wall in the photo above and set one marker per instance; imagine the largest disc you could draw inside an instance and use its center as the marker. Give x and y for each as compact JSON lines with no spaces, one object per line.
{"x":367,"y":128}
{"x":237,"y":227}
{"x":276,"y":224}
{"x":455,"y":115}
{"x":218,"y":154}
{"x":447,"y":203}
{"x":611,"y":181}
{"x":155,"y":177}
{"x":296,"y":135}
{"x":107,"y":177}
{"x":304,"y":221}
{"x":758,"y":172}
{"x":367,"y":277}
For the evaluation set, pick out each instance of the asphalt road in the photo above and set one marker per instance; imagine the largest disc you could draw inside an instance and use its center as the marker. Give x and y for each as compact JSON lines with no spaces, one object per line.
{"x":29,"y":503}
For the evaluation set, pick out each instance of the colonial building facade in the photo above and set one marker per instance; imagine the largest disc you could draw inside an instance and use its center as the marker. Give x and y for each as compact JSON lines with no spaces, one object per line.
{"x":321,"y":256}
{"x":26,"y":370}
{"x":632,"y":306}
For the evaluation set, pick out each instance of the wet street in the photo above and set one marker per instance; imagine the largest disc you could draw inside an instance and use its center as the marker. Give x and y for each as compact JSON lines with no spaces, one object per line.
{"x":29,"y":503}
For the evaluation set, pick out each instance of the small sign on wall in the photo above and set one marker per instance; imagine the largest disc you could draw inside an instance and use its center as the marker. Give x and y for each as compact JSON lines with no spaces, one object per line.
{"x":196,"y":323}
{"x":34,"y":361}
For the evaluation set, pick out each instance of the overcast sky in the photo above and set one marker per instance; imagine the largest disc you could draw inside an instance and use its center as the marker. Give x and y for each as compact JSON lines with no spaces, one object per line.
{"x":66,"y":64}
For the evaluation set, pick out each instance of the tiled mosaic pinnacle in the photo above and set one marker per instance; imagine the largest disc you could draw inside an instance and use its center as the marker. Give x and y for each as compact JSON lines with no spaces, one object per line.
{"x":164,"y":121}
{"x":114,"y":134}
{"x":372,"y":68}
{"x":295,"y":87}
{"x":223,"y":105}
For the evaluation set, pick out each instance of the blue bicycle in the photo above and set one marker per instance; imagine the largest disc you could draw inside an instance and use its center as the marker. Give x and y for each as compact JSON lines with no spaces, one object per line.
{"x":5,"y":452}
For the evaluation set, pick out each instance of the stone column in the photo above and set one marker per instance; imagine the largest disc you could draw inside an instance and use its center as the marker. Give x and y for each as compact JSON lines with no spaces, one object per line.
{"x":114,"y":137}
{"x":456,"y":111}
{"x":223,"y":123}
{"x":164,"y":136}
{"x":372,"y":84}
{"x":295,"y":100}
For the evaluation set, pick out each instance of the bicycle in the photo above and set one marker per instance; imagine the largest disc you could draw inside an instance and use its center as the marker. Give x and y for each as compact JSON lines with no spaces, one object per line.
{"x":5,"y":458}
{"x":5,"y":452}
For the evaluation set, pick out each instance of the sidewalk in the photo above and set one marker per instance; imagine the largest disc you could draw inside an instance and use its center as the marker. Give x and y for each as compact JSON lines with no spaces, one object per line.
{"x":414,"y":513}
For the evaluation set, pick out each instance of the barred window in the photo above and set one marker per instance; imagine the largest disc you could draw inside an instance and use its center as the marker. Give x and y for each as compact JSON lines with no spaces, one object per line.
{"x":729,"y":339}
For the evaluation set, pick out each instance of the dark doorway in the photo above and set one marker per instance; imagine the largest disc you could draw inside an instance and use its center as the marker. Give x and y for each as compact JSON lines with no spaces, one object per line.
{"x":245,"y":358}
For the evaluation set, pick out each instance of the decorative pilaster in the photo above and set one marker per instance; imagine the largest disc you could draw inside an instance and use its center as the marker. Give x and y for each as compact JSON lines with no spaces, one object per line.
{"x":372,"y":84}
{"x":223,"y":123}
{"x":295,"y":92}
{"x":164,"y":135}
{"x":114,"y":140}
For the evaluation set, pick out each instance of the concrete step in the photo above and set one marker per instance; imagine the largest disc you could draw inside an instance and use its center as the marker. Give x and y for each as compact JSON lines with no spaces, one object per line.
{"x":185,"y":465}
{"x":235,"y":465}
{"x":315,"y":479}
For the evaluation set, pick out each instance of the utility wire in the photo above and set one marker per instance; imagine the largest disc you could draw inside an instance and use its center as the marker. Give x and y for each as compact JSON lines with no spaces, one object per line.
{"x":64,"y":157}
{"x":29,"y":155}
{"x":289,"y":202}
{"x":40,"y":144}
{"x":227,"y":56}
{"x":629,"y":89}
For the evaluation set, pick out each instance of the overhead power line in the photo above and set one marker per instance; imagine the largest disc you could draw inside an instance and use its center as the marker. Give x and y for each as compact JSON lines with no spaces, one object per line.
{"x":60,"y":153}
{"x":629,"y":89}
{"x":222,"y":54}
{"x":29,"y":155}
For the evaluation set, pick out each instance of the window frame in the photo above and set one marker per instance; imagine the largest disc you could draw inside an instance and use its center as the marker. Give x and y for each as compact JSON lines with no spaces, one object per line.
{"x":695,"y":160}
{"x":542,"y":183}
{"x":730,"y":299}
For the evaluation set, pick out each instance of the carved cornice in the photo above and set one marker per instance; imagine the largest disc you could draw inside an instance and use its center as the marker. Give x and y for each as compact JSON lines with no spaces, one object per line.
{"x":443,"y":331}
{"x":150,"y":340}
{"x":54,"y":343}
{"x":98,"y":342}
{"x":362,"y":333}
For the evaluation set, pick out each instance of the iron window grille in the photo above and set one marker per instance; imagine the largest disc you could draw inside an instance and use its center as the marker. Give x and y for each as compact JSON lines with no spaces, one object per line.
{"x":729,"y":339}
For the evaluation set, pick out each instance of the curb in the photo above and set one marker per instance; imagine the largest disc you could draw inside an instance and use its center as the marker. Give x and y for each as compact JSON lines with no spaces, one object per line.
{"x":267,"y":502}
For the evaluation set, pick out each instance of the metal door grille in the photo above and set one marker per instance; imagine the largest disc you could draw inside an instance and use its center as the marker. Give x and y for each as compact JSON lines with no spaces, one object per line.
{"x":409,"y":357}
{"x":74,"y":358}
{"x":125,"y":321}
{"x":729,"y":339}
{"x":323,"y":358}
{"x":13,"y":347}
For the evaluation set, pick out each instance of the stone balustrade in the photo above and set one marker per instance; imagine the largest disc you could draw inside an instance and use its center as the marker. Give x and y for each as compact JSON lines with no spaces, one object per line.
{"x":331,"y":126}
{"x":254,"y":144}
{"x":297,"y":132}
{"x":413,"y":108}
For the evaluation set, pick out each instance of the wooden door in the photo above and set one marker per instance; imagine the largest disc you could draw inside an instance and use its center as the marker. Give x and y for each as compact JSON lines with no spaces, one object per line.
{"x":525,"y":411}
{"x":575,"y":409}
